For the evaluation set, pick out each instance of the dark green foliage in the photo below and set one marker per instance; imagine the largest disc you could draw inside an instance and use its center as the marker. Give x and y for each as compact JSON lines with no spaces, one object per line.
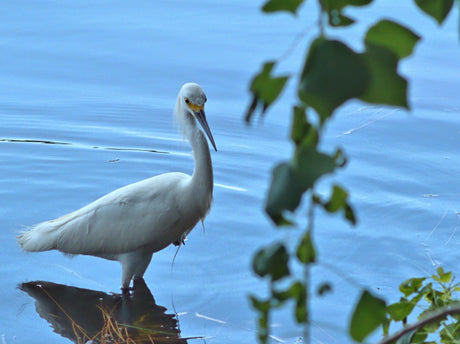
{"x":395,"y":37}
{"x":282,"y":5}
{"x":272,"y":261}
{"x":332,"y":74}
{"x":309,"y":164}
{"x":411,"y":286}
{"x":438,"y":9}
{"x":263,"y":307}
{"x":339,"y":202}
{"x":329,"y":5}
{"x":306,"y":251}
{"x":284,"y":193}
{"x":302,"y":130}
{"x":265,"y":89}
{"x":369,"y":314}
{"x":400,"y":310}
{"x":386,"y":86}
{"x":291,"y":180}
{"x":297,"y":292}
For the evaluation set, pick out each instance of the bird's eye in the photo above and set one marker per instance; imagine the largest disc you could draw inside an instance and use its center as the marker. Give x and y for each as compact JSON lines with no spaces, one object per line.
{"x":187,"y":101}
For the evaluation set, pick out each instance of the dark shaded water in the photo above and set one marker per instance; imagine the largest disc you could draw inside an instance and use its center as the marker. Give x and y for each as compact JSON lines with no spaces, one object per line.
{"x":99,"y":80}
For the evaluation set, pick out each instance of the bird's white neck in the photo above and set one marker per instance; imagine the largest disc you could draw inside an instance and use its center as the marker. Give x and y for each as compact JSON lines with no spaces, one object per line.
{"x":202,"y":180}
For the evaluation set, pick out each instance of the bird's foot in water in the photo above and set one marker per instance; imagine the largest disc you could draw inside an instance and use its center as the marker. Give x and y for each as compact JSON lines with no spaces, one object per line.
{"x":138,"y":282}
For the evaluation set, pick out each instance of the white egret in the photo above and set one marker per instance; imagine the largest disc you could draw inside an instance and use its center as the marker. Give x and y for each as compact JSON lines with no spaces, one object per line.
{"x":131,"y":223}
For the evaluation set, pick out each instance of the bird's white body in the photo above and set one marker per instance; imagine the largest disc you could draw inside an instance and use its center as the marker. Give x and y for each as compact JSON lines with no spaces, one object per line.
{"x":131,"y":223}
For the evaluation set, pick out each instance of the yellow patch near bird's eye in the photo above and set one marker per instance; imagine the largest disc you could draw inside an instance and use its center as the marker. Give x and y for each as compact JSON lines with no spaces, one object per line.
{"x":195,"y":107}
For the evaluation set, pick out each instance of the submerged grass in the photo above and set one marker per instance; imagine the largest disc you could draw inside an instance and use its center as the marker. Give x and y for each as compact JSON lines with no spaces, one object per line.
{"x":114,"y":332}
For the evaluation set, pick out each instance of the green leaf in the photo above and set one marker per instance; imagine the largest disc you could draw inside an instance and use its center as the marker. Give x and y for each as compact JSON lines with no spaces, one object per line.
{"x":284,"y":193}
{"x":419,"y":336}
{"x":438,"y":9}
{"x":310,"y":165}
{"x":443,"y":277}
{"x":301,"y":129}
{"x":332,"y":74}
{"x":368,"y":315}
{"x":263,"y":307}
{"x":260,"y":305}
{"x":397,"y":38}
{"x":358,"y":2}
{"x":337,"y":201}
{"x":306,"y":251}
{"x":272,"y":261}
{"x":400,"y":310}
{"x":329,"y":5}
{"x":433,"y":326}
{"x":265,"y":89}
{"x":298,"y":293}
{"x":290,"y":181}
{"x":386,"y":87}
{"x":449,"y":332}
{"x":386,"y":327}
{"x":350,"y":214}
{"x":411,"y":286}
{"x":282,"y":5}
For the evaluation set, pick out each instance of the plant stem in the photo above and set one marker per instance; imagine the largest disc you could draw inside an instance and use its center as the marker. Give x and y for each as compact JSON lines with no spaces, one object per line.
{"x":310,"y":225}
{"x":321,"y":19}
{"x":306,"y":328}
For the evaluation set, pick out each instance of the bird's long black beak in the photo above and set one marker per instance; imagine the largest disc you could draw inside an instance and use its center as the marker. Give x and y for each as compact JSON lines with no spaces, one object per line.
{"x":201,"y":117}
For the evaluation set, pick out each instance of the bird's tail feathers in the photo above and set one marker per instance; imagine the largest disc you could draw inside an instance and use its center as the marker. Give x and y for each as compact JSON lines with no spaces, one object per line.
{"x":41,"y":237}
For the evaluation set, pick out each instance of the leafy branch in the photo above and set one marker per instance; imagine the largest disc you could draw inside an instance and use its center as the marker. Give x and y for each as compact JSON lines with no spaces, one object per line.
{"x":332,"y":74}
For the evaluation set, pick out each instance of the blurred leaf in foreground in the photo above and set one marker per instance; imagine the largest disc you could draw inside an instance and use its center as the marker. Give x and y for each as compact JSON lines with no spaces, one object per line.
{"x":368,"y":315}
{"x":438,"y":9}
{"x":393,"y":36}
{"x":332,"y":74}
{"x":282,"y":5}
{"x":265,"y":89}
{"x":273,"y":261}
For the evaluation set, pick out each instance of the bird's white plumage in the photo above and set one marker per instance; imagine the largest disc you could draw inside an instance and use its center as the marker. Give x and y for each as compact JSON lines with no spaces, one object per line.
{"x":131,"y":223}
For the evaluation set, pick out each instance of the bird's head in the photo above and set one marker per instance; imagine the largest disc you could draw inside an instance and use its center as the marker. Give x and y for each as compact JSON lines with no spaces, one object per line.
{"x":191,"y":100}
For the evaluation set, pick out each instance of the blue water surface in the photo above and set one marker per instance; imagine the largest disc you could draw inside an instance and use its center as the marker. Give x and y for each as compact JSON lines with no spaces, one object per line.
{"x":86,"y":103}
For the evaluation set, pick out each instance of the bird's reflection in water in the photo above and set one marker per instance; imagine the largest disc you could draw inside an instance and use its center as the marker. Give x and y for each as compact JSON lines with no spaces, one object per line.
{"x":84,"y":315}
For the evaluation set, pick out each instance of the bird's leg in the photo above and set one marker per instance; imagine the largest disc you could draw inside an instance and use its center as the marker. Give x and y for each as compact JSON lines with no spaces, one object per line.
{"x":125,"y":291}
{"x":128,"y":266}
{"x":142,"y":264}
{"x":133,"y":264}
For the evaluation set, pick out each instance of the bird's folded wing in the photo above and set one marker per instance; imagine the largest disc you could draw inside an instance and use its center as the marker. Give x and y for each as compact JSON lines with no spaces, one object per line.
{"x":138,"y":215}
